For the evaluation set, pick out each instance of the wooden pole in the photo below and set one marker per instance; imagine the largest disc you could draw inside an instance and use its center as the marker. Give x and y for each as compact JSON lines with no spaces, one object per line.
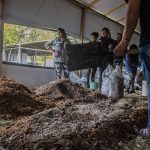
{"x":1,"y":34}
{"x":82,"y":26}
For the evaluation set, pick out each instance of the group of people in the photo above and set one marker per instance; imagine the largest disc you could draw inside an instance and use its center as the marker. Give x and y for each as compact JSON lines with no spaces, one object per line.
{"x":136,"y":9}
{"x":58,"y":44}
{"x":131,"y":58}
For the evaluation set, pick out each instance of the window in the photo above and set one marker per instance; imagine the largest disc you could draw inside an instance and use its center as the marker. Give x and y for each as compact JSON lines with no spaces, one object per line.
{"x":25,"y":45}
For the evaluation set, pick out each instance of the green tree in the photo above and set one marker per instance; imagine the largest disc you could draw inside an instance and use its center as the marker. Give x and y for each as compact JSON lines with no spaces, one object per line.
{"x":15,"y":34}
{"x":10,"y":35}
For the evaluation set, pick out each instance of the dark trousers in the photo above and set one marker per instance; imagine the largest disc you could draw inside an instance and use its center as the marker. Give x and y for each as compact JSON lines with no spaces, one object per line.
{"x":101,"y":70}
{"x":145,"y":62}
{"x":91,"y":75}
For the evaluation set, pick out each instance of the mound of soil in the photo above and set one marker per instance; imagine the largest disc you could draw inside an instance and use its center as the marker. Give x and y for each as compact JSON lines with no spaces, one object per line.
{"x":137,"y":143}
{"x":17,"y":100}
{"x":95,"y":124}
{"x":63,"y":93}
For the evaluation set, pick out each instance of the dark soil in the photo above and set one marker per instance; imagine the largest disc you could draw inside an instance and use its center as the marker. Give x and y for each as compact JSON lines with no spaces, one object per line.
{"x":16,"y":100}
{"x":79,"y":119}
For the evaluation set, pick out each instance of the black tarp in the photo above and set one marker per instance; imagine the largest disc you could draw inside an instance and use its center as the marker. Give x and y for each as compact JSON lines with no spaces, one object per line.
{"x":84,"y":56}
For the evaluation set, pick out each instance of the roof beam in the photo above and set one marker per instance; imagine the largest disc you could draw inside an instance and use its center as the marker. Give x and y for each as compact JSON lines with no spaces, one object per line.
{"x":121,"y":19}
{"x":94,"y":2}
{"x":114,"y":9}
{"x":79,"y":4}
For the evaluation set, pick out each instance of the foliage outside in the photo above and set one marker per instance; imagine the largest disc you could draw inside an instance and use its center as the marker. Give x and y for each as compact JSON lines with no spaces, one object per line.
{"x":16,"y":34}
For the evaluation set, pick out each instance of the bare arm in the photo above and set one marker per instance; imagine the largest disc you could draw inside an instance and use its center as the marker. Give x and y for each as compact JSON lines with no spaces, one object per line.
{"x":49,"y":45}
{"x":131,"y":22}
{"x":131,"y":18}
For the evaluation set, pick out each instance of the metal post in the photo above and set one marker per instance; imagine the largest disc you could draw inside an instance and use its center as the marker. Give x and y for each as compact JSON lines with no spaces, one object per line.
{"x":9,"y":56}
{"x":35,"y":58}
{"x":1,"y":35}
{"x":19,"y":54}
{"x":45,"y":60}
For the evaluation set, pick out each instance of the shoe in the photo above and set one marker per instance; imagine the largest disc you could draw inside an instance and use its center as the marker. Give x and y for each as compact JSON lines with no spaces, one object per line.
{"x":143,"y":132}
{"x":127,"y":90}
{"x":132,"y":91}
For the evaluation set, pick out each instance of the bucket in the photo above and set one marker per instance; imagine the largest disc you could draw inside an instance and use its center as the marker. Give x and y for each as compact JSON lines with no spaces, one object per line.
{"x":144,"y":88}
{"x":93,"y":86}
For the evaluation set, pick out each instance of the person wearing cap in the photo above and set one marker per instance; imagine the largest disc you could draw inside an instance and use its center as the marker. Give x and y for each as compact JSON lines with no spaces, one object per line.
{"x":138,"y":9}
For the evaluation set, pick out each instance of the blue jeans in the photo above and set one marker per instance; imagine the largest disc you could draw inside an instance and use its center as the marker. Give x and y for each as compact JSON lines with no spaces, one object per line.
{"x":145,"y":62}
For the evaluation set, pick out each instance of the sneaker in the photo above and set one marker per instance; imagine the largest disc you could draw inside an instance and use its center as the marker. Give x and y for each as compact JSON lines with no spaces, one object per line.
{"x":143,"y":132}
{"x":127,"y":91}
{"x":132,"y":91}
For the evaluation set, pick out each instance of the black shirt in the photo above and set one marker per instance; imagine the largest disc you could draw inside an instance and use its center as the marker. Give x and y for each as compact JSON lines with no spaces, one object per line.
{"x":105,"y":42}
{"x":145,"y":22}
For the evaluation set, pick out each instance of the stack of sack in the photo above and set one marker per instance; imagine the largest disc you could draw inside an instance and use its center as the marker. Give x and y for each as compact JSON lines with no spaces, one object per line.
{"x":113,"y":82}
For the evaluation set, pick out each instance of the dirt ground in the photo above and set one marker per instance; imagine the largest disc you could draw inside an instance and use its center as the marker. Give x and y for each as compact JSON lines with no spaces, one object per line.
{"x":76,"y":118}
{"x":16,"y":100}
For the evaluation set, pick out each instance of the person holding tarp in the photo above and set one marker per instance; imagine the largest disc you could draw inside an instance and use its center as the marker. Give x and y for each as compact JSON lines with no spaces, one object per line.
{"x":109,"y":44}
{"x":57,"y":46}
{"x":92,"y":71}
{"x":138,"y":9}
{"x":118,"y":60}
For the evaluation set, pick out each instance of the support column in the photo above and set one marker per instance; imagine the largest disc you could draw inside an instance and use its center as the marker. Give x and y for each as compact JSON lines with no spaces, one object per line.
{"x":1,"y":34}
{"x":82,"y":26}
{"x":19,"y":60}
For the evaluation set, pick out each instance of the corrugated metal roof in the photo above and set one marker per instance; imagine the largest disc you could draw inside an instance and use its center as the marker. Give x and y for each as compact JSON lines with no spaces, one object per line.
{"x":52,"y":14}
{"x":114,"y":9}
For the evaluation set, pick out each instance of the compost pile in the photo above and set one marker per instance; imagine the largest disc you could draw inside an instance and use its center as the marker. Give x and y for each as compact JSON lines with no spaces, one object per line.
{"x":16,"y":100}
{"x":82,"y":120}
{"x":136,"y":143}
{"x":63,"y":93}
